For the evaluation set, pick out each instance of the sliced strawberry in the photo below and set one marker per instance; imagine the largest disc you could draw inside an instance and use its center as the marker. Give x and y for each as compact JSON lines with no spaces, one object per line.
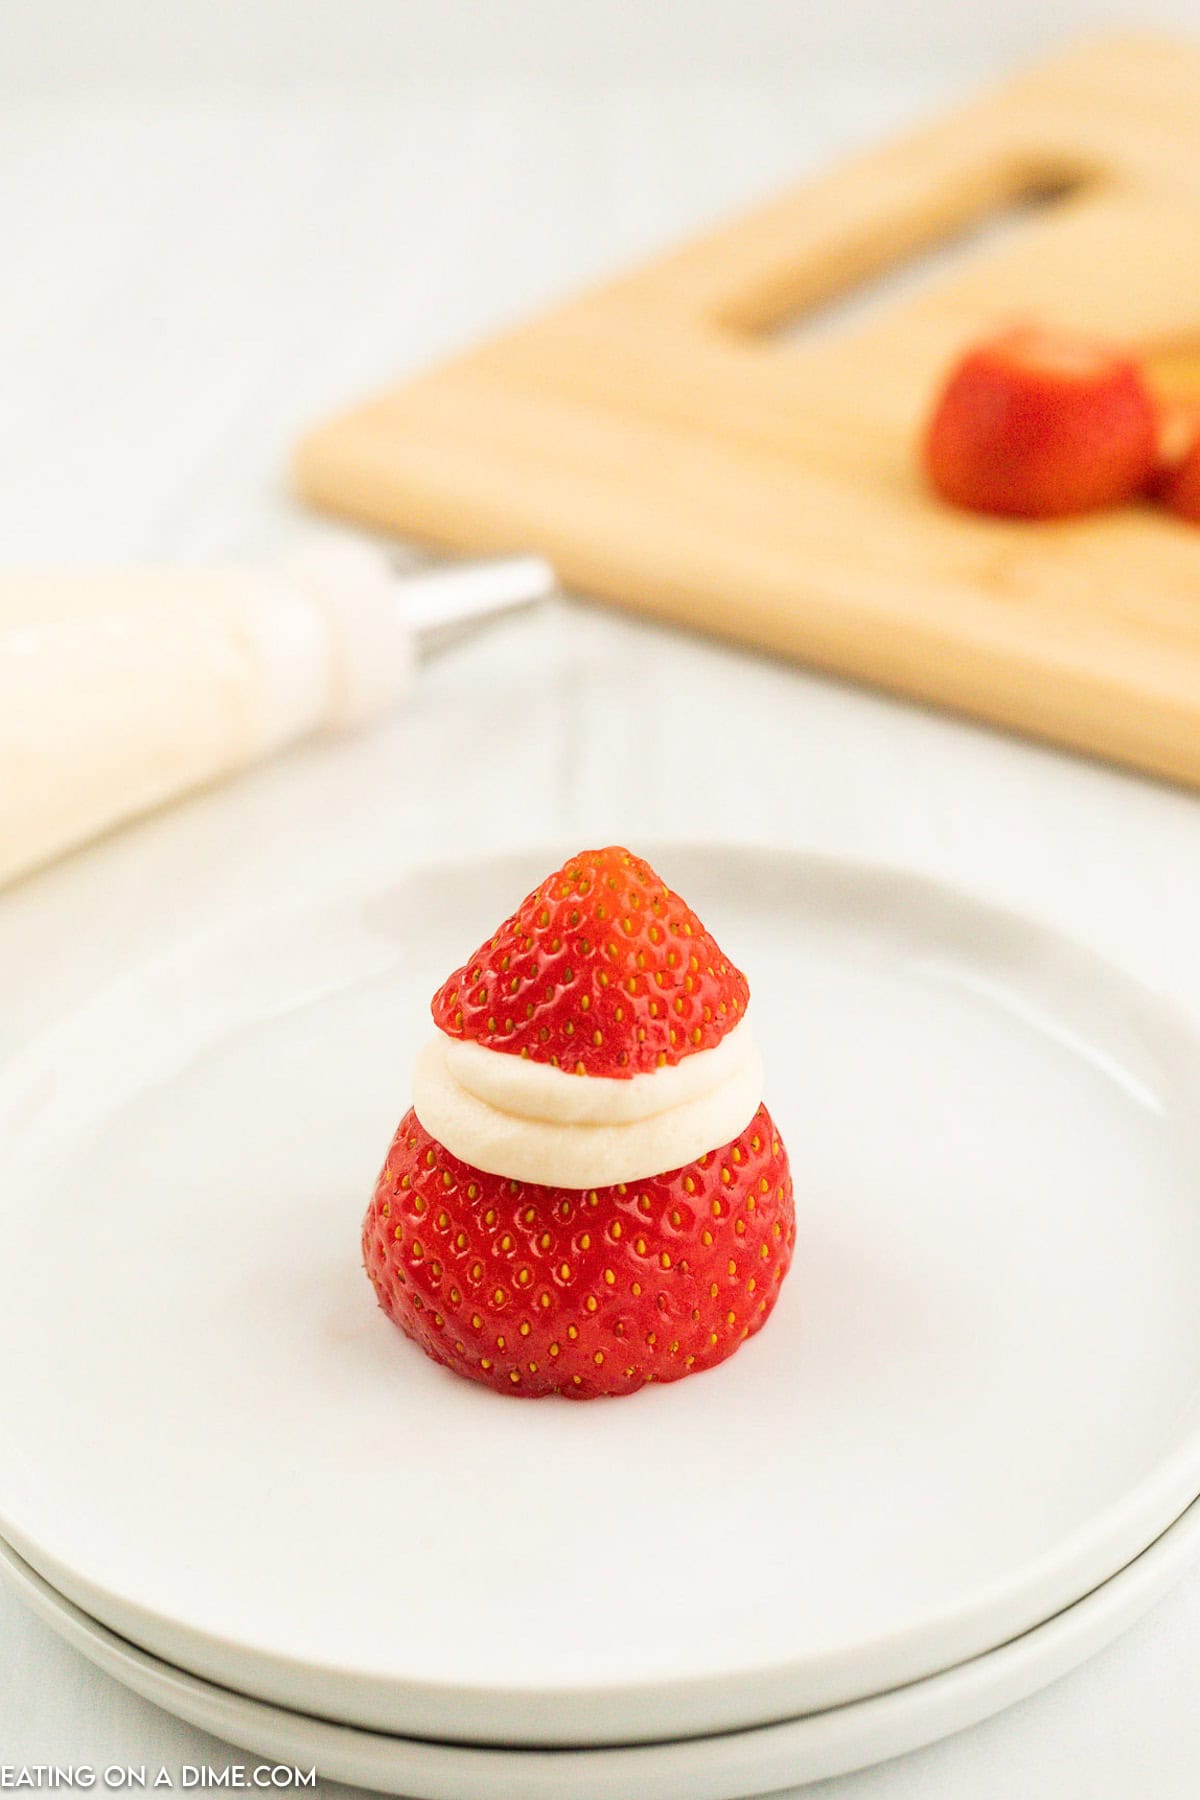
{"x":1177,"y":478}
{"x":1039,"y":424}
{"x":602,"y":970}
{"x":539,"y":1290}
{"x":1180,"y":491}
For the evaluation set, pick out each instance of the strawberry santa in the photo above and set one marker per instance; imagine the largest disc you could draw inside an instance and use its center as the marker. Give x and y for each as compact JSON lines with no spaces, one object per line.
{"x":587,"y":1193}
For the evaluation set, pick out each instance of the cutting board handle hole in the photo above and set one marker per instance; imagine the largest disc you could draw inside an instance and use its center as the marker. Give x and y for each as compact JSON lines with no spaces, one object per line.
{"x":874,"y":264}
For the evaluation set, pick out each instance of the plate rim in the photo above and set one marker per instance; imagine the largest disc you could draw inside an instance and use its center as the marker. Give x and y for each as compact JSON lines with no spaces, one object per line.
{"x":787,"y":1752}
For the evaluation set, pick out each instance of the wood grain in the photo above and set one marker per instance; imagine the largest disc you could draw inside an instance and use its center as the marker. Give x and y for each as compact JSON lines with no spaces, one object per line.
{"x":671,"y":455}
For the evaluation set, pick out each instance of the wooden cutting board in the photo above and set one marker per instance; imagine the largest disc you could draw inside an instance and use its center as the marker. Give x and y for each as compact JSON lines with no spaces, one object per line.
{"x":670,"y":451}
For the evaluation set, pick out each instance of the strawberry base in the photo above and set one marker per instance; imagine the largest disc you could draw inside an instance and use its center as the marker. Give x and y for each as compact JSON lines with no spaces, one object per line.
{"x":540,"y":1290}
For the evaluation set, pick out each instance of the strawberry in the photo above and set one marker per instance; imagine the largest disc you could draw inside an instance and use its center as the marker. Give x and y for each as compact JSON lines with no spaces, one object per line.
{"x":1177,"y":479}
{"x":602,"y":970}
{"x":543,"y":1290}
{"x":1040,"y":424}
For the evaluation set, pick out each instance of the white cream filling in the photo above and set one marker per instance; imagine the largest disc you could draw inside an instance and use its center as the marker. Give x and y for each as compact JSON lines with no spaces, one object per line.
{"x":508,"y":1115}
{"x":536,"y":1090}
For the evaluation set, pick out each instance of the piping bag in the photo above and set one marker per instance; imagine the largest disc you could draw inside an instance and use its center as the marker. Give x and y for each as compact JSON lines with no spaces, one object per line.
{"x":123,"y":690}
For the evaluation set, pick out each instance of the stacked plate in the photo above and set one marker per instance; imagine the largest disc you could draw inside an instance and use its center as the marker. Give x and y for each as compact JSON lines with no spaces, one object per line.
{"x":960,"y":1456}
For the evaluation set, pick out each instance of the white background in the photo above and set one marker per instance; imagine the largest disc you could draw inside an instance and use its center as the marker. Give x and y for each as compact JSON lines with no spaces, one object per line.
{"x":220,"y":221}
{"x":252,"y":46}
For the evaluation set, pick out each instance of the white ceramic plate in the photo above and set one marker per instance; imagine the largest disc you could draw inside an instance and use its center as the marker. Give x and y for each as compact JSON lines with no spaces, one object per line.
{"x":978,"y":1398}
{"x":725,"y":1767}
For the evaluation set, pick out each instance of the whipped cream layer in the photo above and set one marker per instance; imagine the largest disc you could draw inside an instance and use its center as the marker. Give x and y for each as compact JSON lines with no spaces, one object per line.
{"x":508,"y":1115}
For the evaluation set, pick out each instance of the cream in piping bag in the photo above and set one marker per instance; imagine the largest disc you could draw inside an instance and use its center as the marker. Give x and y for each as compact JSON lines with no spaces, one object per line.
{"x":122,"y":690}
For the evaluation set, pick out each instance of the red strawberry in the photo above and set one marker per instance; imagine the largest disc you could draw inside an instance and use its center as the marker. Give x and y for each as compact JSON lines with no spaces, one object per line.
{"x":1041,"y":424}
{"x":541,"y":1290}
{"x":1177,"y":482}
{"x":602,"y":970}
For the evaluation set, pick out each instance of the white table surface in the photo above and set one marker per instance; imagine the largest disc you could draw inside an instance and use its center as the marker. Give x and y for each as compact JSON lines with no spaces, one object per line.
{"x":186,"y":284}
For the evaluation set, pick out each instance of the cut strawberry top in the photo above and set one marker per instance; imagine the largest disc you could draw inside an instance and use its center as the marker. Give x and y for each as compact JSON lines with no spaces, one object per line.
{"x":1057,"y":354}
{"x":1041,"y":424}
{"x":602,"y":970}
